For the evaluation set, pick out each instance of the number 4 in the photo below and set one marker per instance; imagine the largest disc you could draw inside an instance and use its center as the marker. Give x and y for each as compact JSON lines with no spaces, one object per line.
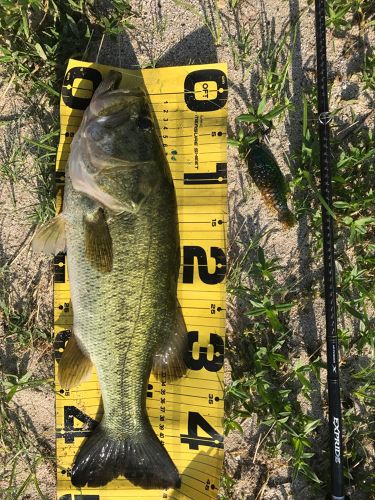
{"x":196,"y":420}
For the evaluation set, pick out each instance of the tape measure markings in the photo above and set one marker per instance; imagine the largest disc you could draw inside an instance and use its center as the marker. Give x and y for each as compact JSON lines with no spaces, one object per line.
{"x":204,"y":290}
{"x":188,"y":456}
{"x":185,"y":385}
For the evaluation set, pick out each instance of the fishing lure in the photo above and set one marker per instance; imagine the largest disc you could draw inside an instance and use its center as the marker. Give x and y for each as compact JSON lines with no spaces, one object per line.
{"x":267,"y":176}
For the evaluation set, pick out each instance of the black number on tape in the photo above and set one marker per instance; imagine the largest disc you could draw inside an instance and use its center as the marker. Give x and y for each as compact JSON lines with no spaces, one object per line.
{"x":197,"y":252}
{"x":213,"y":365}
{"x":149,"y":390}
{"x":196,"y":90}
{"x":196,"y":420}
{"x":59,"y":268}
{"x":79,"y":497}
{"x":71,"y":100}
{"x":70,"y":432}
{"x":59,"y":344}
{"x":59,"y":177}
{"x":218,"y":177}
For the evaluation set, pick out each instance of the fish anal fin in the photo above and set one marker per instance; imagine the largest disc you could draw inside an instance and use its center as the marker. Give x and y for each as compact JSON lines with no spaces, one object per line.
{"x":98,"y":241}
{"x":50,"y":238}
{"x":74,"y":366}
{"x":169,"y":360}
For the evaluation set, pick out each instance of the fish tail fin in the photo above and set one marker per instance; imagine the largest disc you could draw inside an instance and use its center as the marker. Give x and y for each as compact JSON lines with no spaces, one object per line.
{"x":141,"y":458}
{"x":287,"y":218}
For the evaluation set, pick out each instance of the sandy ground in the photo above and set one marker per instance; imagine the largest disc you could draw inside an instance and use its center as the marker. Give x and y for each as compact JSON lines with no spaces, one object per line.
{"x":165,"y":35}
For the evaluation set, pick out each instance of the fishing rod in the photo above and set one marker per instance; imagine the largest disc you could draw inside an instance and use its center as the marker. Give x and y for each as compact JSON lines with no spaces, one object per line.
{"x":334,"y":403}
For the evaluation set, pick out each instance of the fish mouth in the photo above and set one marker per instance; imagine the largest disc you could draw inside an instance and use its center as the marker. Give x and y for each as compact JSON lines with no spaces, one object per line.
{"x":110,"y":82}
{"x":111,"y":101}
{"x":115,"y":103}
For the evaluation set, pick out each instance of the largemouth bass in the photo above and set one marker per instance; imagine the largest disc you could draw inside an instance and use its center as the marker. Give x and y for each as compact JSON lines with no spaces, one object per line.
{"x":120,"y":230}
{"x":270,"y":181}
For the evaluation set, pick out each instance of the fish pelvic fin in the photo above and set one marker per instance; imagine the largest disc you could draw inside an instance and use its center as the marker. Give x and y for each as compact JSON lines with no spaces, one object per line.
{"x":141,"y":458}
{"x":169,"y":360}
{"x":74,"y":366}
{"x":98,"y":241}
{"x":50,"y":238}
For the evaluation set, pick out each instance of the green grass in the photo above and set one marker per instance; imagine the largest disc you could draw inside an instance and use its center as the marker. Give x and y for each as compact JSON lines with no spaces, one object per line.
{"x":209,"y":17}
{"x":272,"y":99}
{"x":37,"y":38}
{"x":241,"y":47}
{"x":44,"y":152}
{"x":266,"y":380}
{"x":20,"y":324}
{"x":266,"y":383}
{"x":21,"y":450}
{"x":353,"y":169}
{"x":342,"y":15}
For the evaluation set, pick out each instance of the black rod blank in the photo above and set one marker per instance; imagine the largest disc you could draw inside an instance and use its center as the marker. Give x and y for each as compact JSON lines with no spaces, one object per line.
{"x":335,"y":422}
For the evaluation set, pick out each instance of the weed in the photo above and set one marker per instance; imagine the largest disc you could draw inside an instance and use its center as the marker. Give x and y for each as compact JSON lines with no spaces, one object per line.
{"x":44,"y":150}
{"x":36,"y":39}
{"x":336,"y":15}
{"x":11,"y":159}
{"x":273,"y":103}
{"x":242,"y":47}
{"x":112,"y":19}
{"x":261,"y":119}
{"x":265,"y":387}
{"x":226,"y":485}
{"x":275,"y":62}
{"x":20,"y":324}
{"x":265,"y":382}
{"x":368,"y":73}
{"x":341,"y":15}
{"x":359,"y":431}
{"x":16,"y":440}
{"x":233,"y":4}
{"x":354,"y":220}
{"x":211,"y":20}
{"x":14,"y":384}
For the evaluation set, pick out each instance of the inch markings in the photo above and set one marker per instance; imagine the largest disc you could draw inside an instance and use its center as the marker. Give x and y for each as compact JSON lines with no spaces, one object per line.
{"x":186,"y":414}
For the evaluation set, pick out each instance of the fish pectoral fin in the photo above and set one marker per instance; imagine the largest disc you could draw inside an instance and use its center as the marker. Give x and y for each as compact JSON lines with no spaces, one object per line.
{"x":50,"y":238}
{"x":98,"y":241}
{"x":169,"y":359}
{"x":74,"y":366}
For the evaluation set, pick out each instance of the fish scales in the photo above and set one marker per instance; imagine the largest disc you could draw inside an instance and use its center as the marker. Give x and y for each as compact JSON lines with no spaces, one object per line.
{"x":113,"y":310}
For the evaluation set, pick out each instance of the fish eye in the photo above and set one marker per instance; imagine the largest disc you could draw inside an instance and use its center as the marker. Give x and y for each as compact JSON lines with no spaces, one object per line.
{"x":144,"y":122}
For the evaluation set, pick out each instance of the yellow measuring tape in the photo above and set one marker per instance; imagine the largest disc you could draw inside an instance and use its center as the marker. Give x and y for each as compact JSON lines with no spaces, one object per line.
{"x":189,"y":103}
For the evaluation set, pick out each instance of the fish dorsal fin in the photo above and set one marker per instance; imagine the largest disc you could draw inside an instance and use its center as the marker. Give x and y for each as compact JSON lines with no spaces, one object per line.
{"x":170,"y":358}
{"x":98,"y":241}
{"x":50,"y":238}
{"x":74,"y":366}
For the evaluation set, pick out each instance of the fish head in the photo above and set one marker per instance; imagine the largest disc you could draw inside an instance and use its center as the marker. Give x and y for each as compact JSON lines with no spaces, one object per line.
{"x":119,"y":126}
{"x":116,"y":140}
